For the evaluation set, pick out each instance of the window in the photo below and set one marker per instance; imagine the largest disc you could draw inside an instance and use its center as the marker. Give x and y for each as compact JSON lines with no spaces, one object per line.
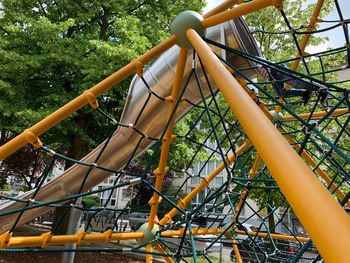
{"x":126,"y":193}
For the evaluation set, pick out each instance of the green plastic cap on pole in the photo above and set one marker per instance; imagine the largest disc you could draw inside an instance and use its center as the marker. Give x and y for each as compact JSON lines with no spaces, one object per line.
{"x":184,"y":21}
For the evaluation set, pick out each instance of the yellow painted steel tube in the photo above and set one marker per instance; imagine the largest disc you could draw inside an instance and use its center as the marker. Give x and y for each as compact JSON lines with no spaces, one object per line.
{"x":318,"y":211}
{"x":149,"y":258}
{"x":306,"y":37}
{"x":80,"y":237}
{"x":236,"y":251}
{"x":162,"y":251}
{"x":222,"y":7}
{"x":238,"y":11}
{"x":31,"y":135}
{"x":204,"y":183}
{"x":216,"y":231}
{"x":251,"y":175}
{"x":318,"y":114}
{"x":167,"y":139}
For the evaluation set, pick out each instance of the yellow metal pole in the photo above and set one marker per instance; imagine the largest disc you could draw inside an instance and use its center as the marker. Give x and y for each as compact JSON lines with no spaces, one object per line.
{"x":204,"y":183}
{"x":162,"y":251}
{"x":251,"y":175}
{"x":238,"y":11}
{"x":216,"y":231}
{"x":318,"y":114}
{"x":303,"y":43}
{"x":318,"y":211}
{"x":149,"y":258}
{"x":222,"y":7}
{"x":32,"y":134}
{"x":236,"y":251}
{"x":81,"y":237}
{"x":306,"y":37}
{"x":168,"y":137}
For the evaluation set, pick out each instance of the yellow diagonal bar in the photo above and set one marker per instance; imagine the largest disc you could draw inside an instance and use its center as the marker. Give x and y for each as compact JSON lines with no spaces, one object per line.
{"x":306,"y":37}
{"x":168,"y":137}
{"x":222,"y":7}
{"x":204,"y":183}
{"x":32,"y":134}
{"x":315,"y":115}
{"x":162,"y":251}
{"x":238,"y":11}
{"x":251,"y":175}
{"x":317,"y":210}
{"x":303,"y":44}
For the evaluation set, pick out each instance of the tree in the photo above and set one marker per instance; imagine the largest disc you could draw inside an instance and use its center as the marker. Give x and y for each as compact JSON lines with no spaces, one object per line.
{"x":51,"y":51}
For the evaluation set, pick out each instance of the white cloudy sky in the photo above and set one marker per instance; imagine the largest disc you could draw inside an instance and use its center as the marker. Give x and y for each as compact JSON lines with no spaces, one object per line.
{"x":336,"y":36}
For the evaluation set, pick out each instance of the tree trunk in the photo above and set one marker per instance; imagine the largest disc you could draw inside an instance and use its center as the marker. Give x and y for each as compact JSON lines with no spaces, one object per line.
{"x":78,"y":148}
{"x":271,"y":219}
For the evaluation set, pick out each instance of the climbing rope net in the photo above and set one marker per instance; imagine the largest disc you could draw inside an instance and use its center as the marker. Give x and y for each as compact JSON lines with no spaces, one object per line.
{"x":225,"y":193}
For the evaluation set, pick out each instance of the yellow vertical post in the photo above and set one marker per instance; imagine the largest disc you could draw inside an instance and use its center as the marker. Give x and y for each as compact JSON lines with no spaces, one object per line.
{"x":168,"y":137}
{"x":149,"y":257}
{"x":303,"y":43}
{"x":236,"y":251}
{"x":251,"y":175}
{"x":317,"y":210}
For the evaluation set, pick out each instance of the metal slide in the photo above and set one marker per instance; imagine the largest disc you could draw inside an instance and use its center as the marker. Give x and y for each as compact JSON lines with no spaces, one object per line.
{"x":159,"y":76}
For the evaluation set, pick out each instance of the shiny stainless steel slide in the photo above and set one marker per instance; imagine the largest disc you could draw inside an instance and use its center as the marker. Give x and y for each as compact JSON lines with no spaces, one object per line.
{"x":159,"y":76}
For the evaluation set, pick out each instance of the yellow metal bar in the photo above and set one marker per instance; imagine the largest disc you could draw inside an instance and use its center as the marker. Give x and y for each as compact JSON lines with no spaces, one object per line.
{"x":168,"y":137}
{"x":149,"y":258}
{"x":162,"y":251}
{"x":32,"y":134}
{"x":81,"y":237}
{"x":317,"y":210}
{"x":303,"y":44}
{"x":204,"y":183}
{"x":236,"y":251}
{"x":238,"y":11}
{"x":312,"y":163}
{"x":306,"y":37}
{"x":216,"y":231}
{"x":318,"y":114}
{"x":251,"y":175}
{"x":222,"y":7}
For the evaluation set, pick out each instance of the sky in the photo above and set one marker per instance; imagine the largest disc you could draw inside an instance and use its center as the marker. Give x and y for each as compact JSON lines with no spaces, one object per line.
{"x":336,"y":36}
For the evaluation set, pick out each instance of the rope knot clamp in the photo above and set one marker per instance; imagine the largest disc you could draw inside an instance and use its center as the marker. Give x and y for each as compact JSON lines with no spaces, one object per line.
{"x":205,"y":230}
{"x":154,"y":200}
{"x":278,"y":4}
{"x":170,"y":99}
{"x":314,"y":20}
{"x":108,"y":234}
{"x":32,"y":138}
{"x":81,"y":236}
{"x":139,"y":67}
{"x":181,"y":204}
{"x":46,"y":239}
{"x":5,"y":239}
{"x":91,"y":99}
